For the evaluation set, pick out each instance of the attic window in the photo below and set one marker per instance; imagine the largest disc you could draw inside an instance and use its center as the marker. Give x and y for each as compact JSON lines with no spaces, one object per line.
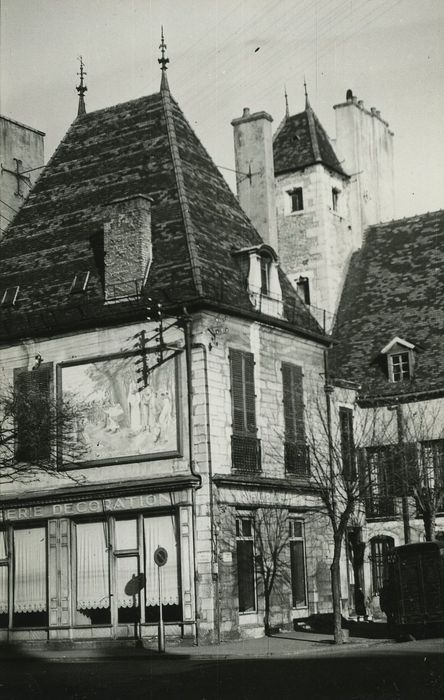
{"x":265,"y":260}
{"x":400,"y":359}
{"x":297,"y":199}
{"x":334,"y":198}
{"x":9,"y":296}
{"x":399,"y":366}
{"x":80,"y":282}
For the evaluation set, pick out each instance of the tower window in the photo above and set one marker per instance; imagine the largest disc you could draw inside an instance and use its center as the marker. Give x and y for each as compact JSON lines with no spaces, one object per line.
{"x":334,"y":198}
{"x":80,"y":282}
{"x":303,"y":289}
{"x":297,"y":199}
{"x":9,"y":296}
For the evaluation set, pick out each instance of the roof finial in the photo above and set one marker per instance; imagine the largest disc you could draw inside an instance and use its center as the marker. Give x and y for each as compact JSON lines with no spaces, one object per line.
{"x":81,"y":89}
{"x":163,"y":62}
{"x":287,"y":111}
{"x":307,"y":103}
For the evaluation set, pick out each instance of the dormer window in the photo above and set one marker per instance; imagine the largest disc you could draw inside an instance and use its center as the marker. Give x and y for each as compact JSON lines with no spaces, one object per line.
{"x":303,"y":289}
{"x":334,"y":198}
{"x":400,"y":359}
{"x":265,"y":261}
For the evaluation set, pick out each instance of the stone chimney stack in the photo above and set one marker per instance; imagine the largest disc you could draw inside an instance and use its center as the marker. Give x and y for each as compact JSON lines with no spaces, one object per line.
{"x":253,"y":149}
{"x":127,"y":245}
{"x":365,"y":143}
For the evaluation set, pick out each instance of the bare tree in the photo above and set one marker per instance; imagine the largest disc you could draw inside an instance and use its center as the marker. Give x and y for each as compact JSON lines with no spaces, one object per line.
{"x":336,"y":437}
{"x":422,"y":458}
{"x":37,"y":434}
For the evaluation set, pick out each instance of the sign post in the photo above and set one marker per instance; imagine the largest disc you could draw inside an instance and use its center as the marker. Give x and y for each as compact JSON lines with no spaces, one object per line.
{"x":133,"y":588}
{"x":160,"y":559}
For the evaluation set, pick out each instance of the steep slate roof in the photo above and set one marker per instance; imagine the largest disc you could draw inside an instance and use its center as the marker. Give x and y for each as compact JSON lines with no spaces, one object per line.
{"x":302,"y":141}
{"x":394,"y":287}
{"x":146,"y":147}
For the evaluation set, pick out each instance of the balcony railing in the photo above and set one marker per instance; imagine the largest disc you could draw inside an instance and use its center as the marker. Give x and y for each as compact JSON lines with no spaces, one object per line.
{"x":245,"y":453}
{"x":380,"y":507}
{"x":297,"y":459}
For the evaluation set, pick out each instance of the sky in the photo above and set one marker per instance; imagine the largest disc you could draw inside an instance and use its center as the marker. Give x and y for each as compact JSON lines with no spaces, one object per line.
{"x":229,"y":54}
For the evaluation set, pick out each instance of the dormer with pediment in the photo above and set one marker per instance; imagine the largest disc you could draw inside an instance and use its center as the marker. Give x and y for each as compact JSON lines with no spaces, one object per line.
{"x":398,"y":359}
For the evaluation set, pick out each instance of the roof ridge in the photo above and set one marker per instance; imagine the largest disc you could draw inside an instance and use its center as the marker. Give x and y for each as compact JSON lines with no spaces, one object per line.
{"x":313,"y":134}
{"x":183,"y":200}
{"x":404,"y":218}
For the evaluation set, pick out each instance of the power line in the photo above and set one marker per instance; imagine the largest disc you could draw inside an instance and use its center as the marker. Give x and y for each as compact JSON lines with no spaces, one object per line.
{"x":16,"y":211}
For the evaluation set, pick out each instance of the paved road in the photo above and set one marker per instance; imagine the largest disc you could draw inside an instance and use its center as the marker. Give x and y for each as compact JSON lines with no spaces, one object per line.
{"x":410,"y":671}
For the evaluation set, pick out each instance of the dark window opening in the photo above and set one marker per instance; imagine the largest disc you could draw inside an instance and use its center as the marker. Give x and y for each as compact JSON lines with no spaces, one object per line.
{"x":383,"y":471}
{"x":297,"y":564}
{"x":303,"y":289}
{"x":245,"y":565}
{"x":297,"y":199}
{"x":380,"y":549}
{"x":347,"y":443}
{"x":334,"y":198}
{"x":265,"y":274}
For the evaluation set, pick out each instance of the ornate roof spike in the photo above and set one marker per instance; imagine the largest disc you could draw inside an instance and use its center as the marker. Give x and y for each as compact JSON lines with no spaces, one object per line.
{"x":81,"y":88}
{"x":163,"y":61}
{"x":307,"y":102}
{"x":287,"y":111}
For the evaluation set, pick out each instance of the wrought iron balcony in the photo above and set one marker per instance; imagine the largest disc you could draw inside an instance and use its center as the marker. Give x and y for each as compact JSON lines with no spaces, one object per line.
{"x":245,"y":453}
{"x":297,"y":459}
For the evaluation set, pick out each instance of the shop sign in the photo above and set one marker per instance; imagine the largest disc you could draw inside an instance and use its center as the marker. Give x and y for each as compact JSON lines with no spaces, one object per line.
{"x":99,"y":505}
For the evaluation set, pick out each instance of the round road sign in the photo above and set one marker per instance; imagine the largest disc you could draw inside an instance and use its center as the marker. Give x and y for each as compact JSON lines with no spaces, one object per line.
{"x":160,"y":556}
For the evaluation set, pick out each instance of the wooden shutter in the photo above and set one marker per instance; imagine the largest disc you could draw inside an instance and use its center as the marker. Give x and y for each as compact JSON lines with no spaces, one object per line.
{"x":33,"y":391}
{"x":245,"y":575}
{"x":243,"y":393}
{"x":293,"y":403}
{"x":347,"y":443}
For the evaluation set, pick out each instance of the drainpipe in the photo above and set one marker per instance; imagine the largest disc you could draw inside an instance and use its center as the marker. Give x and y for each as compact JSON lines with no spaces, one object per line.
{"x":187,"y":322}
{"x":328,"y":388}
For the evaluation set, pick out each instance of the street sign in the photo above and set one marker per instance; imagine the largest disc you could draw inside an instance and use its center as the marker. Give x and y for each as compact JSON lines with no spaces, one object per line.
{"x":160,"y":556}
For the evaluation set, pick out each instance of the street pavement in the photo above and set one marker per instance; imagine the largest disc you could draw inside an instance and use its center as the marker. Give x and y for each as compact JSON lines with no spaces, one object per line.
{"x":296,"y":665}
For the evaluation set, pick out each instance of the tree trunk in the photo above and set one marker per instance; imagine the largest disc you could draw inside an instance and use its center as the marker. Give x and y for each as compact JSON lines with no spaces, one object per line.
{"x":336,"y":592}
{"x":267,"y":613}
{"x":429,"y":520}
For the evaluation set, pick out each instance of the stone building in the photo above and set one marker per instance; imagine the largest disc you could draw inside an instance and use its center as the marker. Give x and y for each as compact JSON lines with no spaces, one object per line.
{"x":137,"y":291}
{"x":21,"y":151}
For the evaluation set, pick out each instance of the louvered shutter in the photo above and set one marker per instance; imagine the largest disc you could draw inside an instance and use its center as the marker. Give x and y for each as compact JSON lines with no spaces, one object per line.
{"x":293,"y":403}
{"x":33,"y":391}
{"x":347,"y":443}
{"x":243,"y":393}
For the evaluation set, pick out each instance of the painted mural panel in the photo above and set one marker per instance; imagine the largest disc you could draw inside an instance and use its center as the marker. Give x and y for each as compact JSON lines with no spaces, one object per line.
{"x":118,"y":419}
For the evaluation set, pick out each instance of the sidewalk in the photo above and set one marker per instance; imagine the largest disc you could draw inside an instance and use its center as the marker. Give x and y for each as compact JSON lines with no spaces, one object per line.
{"x":280,"y":645}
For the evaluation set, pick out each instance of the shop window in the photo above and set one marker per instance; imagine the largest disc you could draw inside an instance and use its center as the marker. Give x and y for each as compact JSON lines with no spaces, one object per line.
{"x":30,"y":607}
{"x":161,"y":531}
{"x":92,"y":574}
{"x":126,"y":557}
{"x":245,"y":565}
{"x":296,"y":451}
{"x":297,"y":563}
{"x":380,"y":548}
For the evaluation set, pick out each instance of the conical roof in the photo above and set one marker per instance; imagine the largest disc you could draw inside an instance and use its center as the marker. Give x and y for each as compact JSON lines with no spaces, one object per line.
{"x":302,"y":141}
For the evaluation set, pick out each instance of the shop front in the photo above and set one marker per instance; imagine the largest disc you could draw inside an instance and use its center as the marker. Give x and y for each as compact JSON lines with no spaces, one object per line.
{"x":85,"y":569}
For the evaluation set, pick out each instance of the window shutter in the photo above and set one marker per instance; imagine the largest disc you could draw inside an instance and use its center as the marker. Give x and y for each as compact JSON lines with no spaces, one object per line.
{"x":245,"y":572}
{"x":347,"y":443}
{"x":33,"y":391}
{"x":293,"y":403}
{"x":363,"y":475}
{"x":243,"y":393}
{"x":297,"y":564}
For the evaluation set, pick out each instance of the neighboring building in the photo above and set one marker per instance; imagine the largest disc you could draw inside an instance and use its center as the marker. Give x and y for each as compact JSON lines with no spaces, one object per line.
{"x":133,"y":282}
{"x":325,"y":194}
{"x":21,"y":151}
{"x":388,"y":341}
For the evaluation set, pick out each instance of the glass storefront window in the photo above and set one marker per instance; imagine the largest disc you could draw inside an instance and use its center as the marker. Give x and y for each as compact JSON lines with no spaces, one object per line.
{"x":93,"y":599}
{"x":30,"y":584}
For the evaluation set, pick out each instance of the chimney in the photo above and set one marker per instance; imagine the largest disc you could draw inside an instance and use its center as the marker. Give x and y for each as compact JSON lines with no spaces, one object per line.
{"x":127,"y":244}
{"x":253,"y":149}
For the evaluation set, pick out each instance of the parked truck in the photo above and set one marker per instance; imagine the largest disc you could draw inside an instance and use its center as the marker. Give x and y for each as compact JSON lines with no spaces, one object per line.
{"x":416,"y":583}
